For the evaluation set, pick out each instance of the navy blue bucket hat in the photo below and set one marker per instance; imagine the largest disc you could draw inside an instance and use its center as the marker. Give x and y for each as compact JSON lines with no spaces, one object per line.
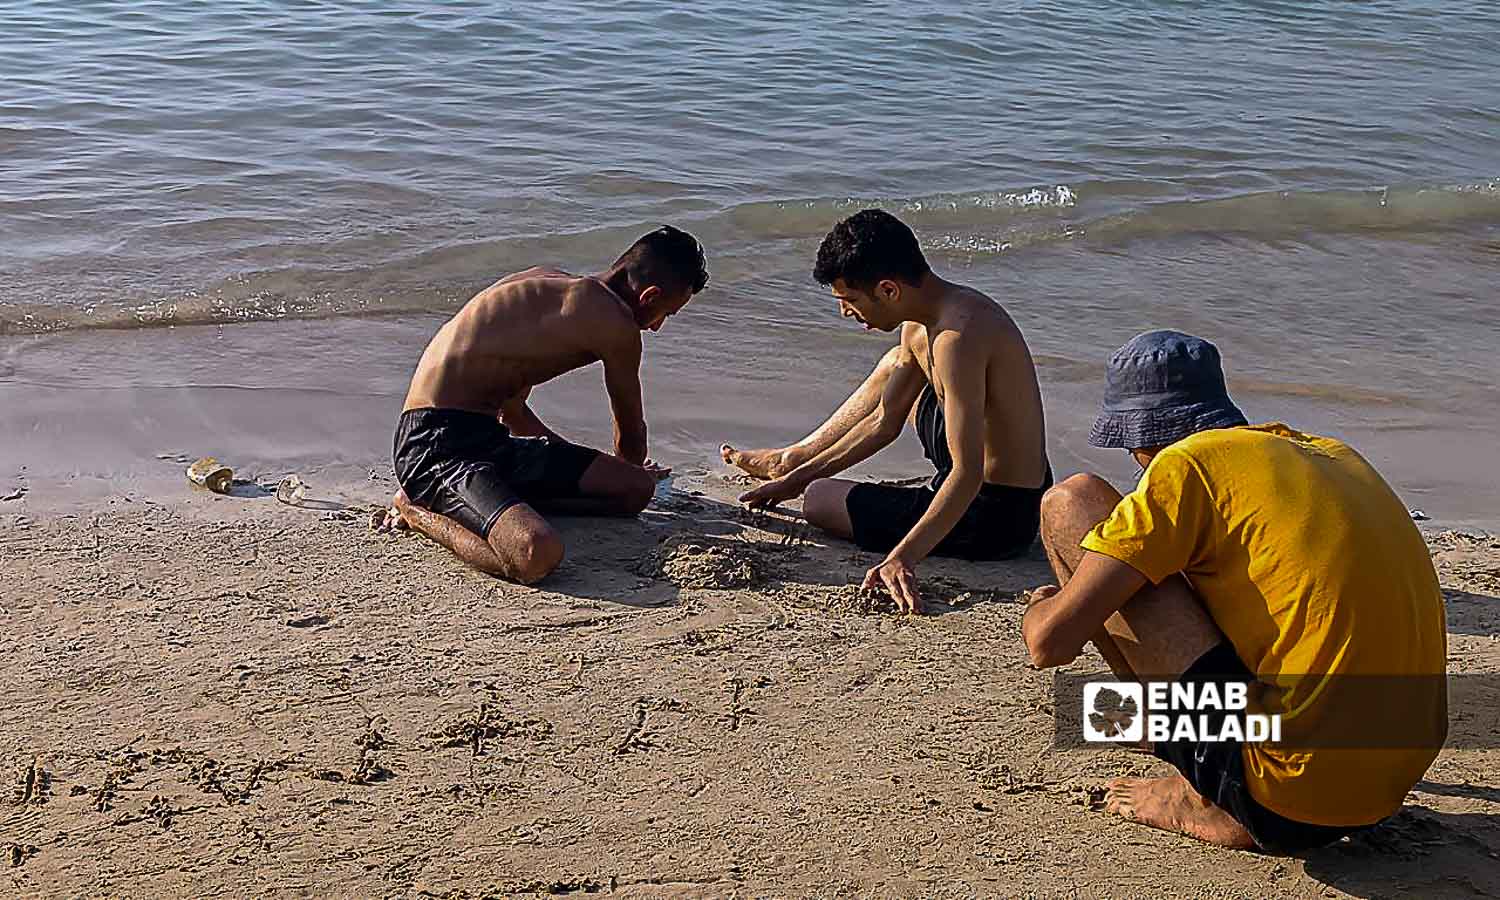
{"x":1161,"y":387}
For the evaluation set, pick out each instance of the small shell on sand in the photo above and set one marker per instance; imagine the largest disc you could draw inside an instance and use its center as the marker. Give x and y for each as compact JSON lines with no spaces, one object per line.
{"x":291,"y":490}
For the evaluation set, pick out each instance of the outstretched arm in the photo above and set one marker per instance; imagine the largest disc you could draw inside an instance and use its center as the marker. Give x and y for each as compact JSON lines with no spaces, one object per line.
{"x":862,"y":441}
{"x":959,"y":366}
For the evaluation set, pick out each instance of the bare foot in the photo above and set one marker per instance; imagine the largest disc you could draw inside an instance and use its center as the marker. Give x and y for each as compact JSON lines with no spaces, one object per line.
{"x":1171,"y":804}
{"x":392,"y":519}
{"x":760,"y":463}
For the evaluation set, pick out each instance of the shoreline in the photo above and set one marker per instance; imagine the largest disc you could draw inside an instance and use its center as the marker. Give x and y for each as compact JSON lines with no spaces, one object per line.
{"x":231,"y":695}
{"x":320,"y":399}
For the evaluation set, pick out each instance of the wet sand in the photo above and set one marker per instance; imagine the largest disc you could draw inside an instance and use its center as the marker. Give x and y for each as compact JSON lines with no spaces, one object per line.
{"x":321,"y":398}
{"x":229,"y":696}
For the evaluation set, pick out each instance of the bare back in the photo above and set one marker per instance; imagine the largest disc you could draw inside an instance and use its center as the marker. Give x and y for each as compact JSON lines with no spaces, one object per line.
{"x":525,"y":329}
{"x":1015,"y":447}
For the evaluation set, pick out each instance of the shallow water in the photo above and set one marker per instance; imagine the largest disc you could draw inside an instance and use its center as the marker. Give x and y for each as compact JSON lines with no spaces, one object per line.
{"x":1315,"y":186}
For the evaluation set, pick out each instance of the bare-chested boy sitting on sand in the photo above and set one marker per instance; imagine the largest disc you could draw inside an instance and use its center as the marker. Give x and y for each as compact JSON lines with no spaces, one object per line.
{"x":964,"y":366}
{"x":474,"y":462}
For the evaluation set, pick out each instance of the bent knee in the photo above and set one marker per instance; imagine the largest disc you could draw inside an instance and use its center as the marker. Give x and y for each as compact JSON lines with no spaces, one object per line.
{"x":1084,"y":490}
{"x":535,"y":557}
{"x":637,"y":492}
{"x":823,"y":502}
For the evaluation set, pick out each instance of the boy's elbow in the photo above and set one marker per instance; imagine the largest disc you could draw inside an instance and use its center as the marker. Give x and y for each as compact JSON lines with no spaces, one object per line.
{"x":888,"y":428}
{"x":1044,"y":646}
{"x":1044,"y":656}
{"x":967,"y":478}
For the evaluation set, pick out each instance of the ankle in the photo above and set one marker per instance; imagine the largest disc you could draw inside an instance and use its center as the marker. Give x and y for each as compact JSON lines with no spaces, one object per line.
{"x":792,"y":457}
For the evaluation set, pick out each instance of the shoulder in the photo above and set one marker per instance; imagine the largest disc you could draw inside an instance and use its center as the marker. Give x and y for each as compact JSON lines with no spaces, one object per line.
{"x":976,"y":320}
{"x":960,"y":345}
{"x":1174,"y":479}
{"x":587,"y":296}
{"x":913,"y":340}
{"x":986,"y":316}
{"x":1178,"y":458}
{"x":525,"y":275}
{"x":1193,"y":462}
{"x":602,"y":315}
{"x":1206,"y":446}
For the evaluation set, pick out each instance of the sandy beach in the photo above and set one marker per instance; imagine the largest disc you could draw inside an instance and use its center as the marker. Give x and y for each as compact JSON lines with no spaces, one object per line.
{"x":232,"y":229}
{"x":230,"y":696}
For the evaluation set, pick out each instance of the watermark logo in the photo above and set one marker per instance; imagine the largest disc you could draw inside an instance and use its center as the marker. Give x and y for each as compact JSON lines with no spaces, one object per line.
{"x":1112,"y":711}
{"x":1291,"y":713}
{"x":1159,"y":711}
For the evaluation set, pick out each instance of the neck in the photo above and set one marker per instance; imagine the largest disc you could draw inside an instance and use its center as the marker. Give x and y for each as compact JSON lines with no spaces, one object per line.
{"x":924,"y":304}
{"x":618,"y":282}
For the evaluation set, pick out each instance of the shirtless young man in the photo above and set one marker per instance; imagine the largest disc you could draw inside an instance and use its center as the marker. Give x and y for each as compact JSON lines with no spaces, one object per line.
{"x":476,"y":465}
{"x":964,"y":366}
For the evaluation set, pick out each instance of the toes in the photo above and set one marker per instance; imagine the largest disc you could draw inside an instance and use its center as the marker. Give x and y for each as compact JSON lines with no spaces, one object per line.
{"x":1118,"y":795}
{"x":1120,"y":805}
{"x":388,"y":520}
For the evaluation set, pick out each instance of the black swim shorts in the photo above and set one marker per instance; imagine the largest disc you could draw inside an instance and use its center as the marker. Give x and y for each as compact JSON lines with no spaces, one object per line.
{"x":1216,"y":769}
{"x":1001,"y":523}
{"x":468,"y":467}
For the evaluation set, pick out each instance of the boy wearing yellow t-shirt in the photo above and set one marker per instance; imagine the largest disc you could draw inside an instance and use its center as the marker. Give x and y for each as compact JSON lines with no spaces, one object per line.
{"x":1253,"y":554}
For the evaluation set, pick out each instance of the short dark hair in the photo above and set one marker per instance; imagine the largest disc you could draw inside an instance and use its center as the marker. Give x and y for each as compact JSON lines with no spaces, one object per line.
{"x":870,"y":246}
{"x":667,"y":257}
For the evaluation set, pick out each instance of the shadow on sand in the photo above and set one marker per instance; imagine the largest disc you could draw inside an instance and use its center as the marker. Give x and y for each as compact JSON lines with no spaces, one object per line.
{"x":691,"y":540}
{"x":1470,"y":613}
{"x":1418,"y":852}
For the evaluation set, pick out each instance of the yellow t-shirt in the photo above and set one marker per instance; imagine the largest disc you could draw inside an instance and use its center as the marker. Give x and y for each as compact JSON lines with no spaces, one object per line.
{"x":1312,"y":567}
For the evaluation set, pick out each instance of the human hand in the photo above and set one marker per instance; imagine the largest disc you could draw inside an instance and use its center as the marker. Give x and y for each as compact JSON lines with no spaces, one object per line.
{"x":657,"y":470}
{"x":1037,"y":595}
{"x":898,"y":578}
{"x":777,"y":490}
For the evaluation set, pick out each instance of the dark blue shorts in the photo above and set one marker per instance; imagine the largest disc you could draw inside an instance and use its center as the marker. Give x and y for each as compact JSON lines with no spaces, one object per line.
{"x":1216,"y":769}
{"x":1001,"y":523}
{"x":469,"y":467}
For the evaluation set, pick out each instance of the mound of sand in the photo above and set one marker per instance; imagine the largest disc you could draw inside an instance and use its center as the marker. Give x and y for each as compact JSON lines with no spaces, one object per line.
{"x":697,"y":561}
{"x":850,"y":599}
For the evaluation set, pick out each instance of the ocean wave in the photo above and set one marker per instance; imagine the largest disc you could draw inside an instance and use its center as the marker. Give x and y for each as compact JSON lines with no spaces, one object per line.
{"x":996,"y":222}
{"x":813,"y":216}
{"x":1274,"y":214}
{"x":196,"y":309}
{"x":741,"y":236}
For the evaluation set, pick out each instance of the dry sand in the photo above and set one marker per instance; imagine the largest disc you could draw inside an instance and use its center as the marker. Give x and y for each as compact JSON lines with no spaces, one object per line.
{"x":228,"y":696}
